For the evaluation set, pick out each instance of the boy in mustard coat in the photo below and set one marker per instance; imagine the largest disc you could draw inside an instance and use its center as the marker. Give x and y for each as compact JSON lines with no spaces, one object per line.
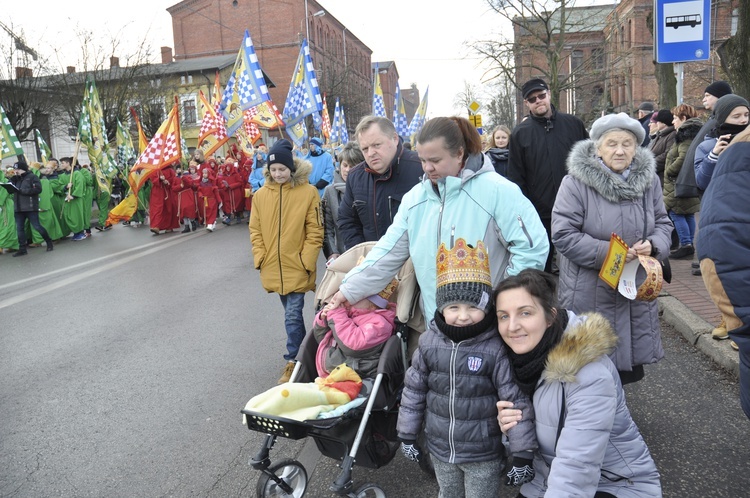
{"x":286,"y":231}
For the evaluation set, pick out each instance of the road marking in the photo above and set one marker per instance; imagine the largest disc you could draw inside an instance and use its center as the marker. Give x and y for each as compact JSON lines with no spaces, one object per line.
{"x":81,"y":276}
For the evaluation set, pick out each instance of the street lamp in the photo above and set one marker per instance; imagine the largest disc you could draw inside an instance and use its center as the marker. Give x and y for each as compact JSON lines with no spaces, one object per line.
{"x":307,"y":20}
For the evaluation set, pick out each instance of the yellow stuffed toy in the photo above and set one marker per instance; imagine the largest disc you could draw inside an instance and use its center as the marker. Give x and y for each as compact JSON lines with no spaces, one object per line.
{"x":305,"y":401}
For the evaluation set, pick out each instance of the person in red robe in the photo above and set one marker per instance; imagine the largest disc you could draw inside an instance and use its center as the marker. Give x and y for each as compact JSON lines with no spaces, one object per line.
{"x":208,"y":199}
{"x":244,"y":167}
{"x":232,"y":194}
{"x":163,"y":202}
{"x":186,"y":198}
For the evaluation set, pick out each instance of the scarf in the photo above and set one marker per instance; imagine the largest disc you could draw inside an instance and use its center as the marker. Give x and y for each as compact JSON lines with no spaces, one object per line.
{"x":730,"y":129}
{"x":458,"y":334}
{"x":528,"y":367}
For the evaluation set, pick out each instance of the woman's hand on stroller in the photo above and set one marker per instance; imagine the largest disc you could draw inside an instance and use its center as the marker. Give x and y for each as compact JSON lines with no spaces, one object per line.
{"x":411,"y":450}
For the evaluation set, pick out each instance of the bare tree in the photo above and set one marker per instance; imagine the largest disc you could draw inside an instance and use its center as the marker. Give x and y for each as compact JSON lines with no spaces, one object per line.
{"x":502,"y":104}
{"x":545,"y":36}
{"x":465,"y":97}
{"x":735,"y":52}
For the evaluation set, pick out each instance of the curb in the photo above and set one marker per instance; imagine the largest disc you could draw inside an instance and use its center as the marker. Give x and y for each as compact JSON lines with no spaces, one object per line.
{"x":697,"y":332}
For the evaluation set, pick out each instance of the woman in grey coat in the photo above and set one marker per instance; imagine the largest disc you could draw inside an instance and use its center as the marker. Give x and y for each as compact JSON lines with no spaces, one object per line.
{"x":611,"y":186}
{"x":589,"y":445}
{"x":333,"y":243}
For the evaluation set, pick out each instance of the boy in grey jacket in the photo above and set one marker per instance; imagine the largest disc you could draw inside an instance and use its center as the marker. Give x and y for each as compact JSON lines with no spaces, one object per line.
{"x":458,"y":374}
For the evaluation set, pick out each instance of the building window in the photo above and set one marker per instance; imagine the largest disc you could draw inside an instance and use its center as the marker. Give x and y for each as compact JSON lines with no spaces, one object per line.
{"x":597,"y":56}
{"x":576,"y":59}
{"x":189,"y":114}
{"x":735,"y":21}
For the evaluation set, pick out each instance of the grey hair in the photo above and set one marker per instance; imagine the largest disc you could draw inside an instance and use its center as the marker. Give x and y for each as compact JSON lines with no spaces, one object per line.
{"x":351,"y":153}
{"x":386,"y":125}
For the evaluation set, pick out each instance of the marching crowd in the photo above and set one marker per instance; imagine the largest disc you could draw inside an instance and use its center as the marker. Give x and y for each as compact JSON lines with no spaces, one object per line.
{"x":507,"y":346}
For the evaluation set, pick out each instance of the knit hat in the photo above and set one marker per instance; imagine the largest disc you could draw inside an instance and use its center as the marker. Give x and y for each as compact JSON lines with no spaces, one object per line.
{"x":316,"y":141}
{"x":620,"y":120}
{"x":725,"y":105}
{"x":21,"y":165}
{"x":718,"y":89}
{"x":281,"y":152}
{"x":463,"y":276}
{"x":664,"y":116}
{"x":532,"y":86}
{"x":647,"y":107}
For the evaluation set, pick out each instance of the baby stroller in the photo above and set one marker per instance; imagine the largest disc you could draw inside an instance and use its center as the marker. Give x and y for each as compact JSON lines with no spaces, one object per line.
{"x":365,"y":436}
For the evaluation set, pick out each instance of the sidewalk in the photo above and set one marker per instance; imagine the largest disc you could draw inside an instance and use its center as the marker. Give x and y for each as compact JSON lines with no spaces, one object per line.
{"x":688,"y":308}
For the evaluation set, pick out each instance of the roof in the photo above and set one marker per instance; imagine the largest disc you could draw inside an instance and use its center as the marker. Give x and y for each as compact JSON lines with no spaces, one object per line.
{"x":199,"y":64}
{"x":579,"y":19}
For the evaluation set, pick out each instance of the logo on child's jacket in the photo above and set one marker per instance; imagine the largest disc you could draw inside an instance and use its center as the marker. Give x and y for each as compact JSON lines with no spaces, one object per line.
{"x":474,"y":363}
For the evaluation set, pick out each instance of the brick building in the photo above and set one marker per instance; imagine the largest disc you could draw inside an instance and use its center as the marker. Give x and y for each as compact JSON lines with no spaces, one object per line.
{"x":612,"y":47}
{"x":216,"y":27}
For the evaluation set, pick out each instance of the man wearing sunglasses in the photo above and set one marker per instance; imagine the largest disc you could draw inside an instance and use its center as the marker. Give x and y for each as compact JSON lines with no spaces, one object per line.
{"x":539,"y":147}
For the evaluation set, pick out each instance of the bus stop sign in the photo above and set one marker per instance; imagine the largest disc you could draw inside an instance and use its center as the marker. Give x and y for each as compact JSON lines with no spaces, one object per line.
{"x":682,"y":30}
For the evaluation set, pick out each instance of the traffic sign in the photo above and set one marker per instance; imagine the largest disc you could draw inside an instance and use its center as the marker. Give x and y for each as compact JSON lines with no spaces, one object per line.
{"x":474,"y":106}
{"x":682,"y":30}
{"x":476,"y":120}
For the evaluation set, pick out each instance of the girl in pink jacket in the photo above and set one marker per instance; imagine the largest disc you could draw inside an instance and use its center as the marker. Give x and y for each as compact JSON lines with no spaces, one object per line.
{"x":354,"y":335}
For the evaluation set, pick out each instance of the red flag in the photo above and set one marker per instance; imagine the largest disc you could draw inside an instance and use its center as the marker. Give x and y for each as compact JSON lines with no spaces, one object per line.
{"x":163,"y":149}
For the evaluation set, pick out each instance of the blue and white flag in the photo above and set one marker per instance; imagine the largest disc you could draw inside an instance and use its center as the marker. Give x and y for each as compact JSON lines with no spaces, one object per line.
{"x":399,"y":114}
{"x":343,"y":131}
{"x":245,"y":88}
{"x":303,"y":98}
{"x":378,"y":104}
{"x":335,"y":134}
{"x":419,"y":117}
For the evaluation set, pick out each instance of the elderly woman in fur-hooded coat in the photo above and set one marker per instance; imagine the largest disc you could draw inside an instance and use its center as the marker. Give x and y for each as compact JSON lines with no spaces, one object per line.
{"x":610,"y":182}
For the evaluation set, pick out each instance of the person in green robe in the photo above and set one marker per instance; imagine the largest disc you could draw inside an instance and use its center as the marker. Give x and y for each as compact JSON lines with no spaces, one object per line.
{"x":8,"y":237}
{"x":102,"y":202}
{"x":46,"y":212}
{"x":74,"y":210}
{"x":144,"y":194}
{"x":88,"y":198}
{"x":58,"y":180}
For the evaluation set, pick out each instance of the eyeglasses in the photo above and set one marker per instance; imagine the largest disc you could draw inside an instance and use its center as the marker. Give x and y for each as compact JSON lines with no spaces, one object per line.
{"x":540,"y":96}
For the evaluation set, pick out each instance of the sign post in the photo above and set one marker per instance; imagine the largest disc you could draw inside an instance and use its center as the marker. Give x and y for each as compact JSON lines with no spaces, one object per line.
{"x":682,"y":33}
{"x":474,"y":118}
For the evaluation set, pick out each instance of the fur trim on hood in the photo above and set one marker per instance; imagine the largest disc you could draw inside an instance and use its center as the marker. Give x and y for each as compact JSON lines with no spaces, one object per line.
{"x":300,"y":175}
{"x":583,"y":164}
{"x":689,"y":130}
{"x":580,"y":345}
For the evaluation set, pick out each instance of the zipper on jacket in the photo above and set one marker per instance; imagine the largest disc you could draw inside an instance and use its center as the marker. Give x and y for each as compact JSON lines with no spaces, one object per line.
{"x":390,"y":209}
{"x":440,"y":217}
{"x":526,"y":232}
{"x":453,"y":236}
{"x":451,"y":403}
{"x":278,"y":244}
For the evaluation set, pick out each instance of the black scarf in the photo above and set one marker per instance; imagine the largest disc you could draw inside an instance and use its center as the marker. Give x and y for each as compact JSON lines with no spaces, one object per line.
{"x":528,"y":367}
{"x":458,"y":334}
{"x":730,"y":129}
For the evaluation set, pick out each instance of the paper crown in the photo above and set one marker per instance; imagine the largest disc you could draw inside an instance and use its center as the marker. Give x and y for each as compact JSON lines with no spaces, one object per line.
{"x":651,"y":285}
{"x":463,"y":275}
{"x":381,"y":298}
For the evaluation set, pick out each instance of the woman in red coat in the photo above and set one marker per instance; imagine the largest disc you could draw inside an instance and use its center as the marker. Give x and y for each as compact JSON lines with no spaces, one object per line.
{"x":186,"y":198}
{"x":208,"y":199}
{"x":230,"y":187}
{"x":163,"y":202}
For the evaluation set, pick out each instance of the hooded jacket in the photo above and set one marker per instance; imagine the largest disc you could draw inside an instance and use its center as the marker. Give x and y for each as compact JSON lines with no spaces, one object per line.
{"x":322,"y":170}
{"x":599,"y":448}
{"x":371,"y":200}
{"x":536,"y":161}
{"x":674,"y":164}
{"x":660,"y":146}
{"x":478,"y":204}
{"x":286,"y":231}
{"x":333,"y":242}
{"x":592,"y":203}
{"x":454,"y":387}
{"x":29,"y":187}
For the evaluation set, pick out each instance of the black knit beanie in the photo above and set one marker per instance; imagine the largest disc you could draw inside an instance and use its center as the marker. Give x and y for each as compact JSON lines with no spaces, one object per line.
{"x":718,"y":89}
{"x":281,"y":152}
{"x":725,"y":105}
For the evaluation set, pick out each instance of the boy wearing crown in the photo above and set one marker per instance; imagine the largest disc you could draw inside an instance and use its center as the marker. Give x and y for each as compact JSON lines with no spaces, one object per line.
{"x":457,"y":375}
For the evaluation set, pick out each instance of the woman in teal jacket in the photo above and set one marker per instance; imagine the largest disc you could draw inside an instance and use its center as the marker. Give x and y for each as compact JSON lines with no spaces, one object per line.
{"x":460,"y":196}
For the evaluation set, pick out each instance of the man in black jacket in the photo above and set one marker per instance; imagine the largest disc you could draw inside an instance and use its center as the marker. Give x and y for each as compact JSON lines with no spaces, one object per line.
{"x":538,"y":149}
{"x":374,"y":188}
{"x":27,"y":205}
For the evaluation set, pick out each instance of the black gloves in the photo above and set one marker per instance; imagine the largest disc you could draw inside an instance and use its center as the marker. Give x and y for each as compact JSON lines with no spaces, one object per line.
{"x":521,"y":471}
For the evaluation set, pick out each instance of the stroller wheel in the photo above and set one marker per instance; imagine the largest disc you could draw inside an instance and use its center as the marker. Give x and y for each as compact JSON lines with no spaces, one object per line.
{"x":291,"y":472}
{"x":369,"y":490}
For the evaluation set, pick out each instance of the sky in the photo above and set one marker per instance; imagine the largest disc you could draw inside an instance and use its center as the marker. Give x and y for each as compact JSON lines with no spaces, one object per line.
{"x":426,"y":38}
